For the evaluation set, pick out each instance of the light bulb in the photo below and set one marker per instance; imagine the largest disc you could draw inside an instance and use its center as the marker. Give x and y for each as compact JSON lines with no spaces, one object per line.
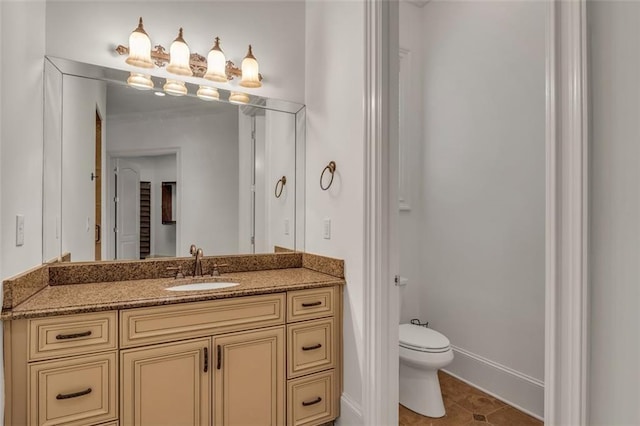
{"x":139,"y":48}
{"x":207,"y":93}
{"x":179,"y":57}
{"x":250,"y":74}
{"x":239,"y":98}
{"x":175,"y":87}
{"x":140,"y":81}
{"x":216,"y":63}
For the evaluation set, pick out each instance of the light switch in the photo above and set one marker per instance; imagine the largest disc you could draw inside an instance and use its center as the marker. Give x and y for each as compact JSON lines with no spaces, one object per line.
{"x":286,"y":227}
{"x":326,"y":233}
{"x":19,"y":230}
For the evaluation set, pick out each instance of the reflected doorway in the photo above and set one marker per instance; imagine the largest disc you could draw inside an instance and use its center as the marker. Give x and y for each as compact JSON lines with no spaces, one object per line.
{"x":140,"y":231}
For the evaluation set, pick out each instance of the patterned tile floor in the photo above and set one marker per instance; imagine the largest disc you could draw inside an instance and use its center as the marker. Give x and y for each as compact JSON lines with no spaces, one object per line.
{"x":468,"y":406}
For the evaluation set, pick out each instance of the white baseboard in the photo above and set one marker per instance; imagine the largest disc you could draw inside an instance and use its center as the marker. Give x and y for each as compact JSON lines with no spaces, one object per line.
{"x":350,"y":412}
{"x":513,"y":387}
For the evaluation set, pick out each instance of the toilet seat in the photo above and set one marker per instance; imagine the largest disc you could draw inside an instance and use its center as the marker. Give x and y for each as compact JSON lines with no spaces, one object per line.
{"x":423,"y":339}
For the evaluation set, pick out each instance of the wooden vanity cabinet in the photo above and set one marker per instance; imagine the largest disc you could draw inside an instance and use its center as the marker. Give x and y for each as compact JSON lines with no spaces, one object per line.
{"x":166,"y":384}
{"x":250,"y":378}
{"x":269,"y":359}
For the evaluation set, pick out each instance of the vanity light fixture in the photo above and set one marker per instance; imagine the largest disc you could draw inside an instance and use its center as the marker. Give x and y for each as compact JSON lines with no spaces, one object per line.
{"x":139,"y":48}
{"x":250,"y":74}
{"x":216,"y":63}
{"x":175,"y":87}
{"x":207,"y":93}
{"x":239,"y":98}
{"x":179,"y":57}
{"x":140,"y":81}
{"x":184,"y":63}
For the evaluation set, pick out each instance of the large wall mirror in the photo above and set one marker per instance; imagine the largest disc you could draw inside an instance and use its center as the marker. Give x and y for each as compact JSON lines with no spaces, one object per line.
{"x":132,"y":174}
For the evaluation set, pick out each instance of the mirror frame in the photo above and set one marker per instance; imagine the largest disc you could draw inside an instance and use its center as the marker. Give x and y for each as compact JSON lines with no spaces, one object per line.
{"x":56,"y":68}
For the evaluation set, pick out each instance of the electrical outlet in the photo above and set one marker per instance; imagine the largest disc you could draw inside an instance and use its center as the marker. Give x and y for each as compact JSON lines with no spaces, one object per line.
{"x":19,"y":230}
{"x":326,"y":232}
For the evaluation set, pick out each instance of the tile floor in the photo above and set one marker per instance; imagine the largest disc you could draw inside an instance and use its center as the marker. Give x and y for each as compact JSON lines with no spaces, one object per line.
{"x":467,"y":406}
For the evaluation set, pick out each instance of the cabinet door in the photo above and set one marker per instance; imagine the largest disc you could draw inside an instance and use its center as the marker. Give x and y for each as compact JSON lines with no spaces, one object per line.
{"x":249,"y":378}
{"x":166,"y":384}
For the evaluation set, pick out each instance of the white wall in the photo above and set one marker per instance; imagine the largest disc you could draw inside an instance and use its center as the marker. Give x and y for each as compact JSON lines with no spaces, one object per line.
{"x":614,"y":214}
{"x":280,"y":140}
{"x":207,"y":164}
{"x":411,"y":216}
{"x":81,"y":97}
{"x":22,"y":49}
{"x":334,"y":55}
{"x":89,"y":31}
{"x":484,"y":191}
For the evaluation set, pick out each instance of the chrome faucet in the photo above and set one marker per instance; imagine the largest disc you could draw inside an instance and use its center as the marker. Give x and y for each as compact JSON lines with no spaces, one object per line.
{"x":198,"y":253}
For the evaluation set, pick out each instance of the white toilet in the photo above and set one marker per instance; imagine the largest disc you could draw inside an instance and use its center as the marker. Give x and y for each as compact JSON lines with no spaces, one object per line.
{"x":423,"y":352}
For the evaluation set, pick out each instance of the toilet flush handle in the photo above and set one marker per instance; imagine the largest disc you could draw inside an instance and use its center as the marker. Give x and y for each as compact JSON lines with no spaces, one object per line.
{"x":401,"y":281}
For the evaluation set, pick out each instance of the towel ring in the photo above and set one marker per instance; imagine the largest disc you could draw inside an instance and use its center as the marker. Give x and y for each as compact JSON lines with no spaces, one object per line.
{"x":331,"y":167}
{"x":280,"y":183}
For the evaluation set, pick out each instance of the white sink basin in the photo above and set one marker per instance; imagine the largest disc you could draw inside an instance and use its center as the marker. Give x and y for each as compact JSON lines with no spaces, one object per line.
{"x":201,"y":286}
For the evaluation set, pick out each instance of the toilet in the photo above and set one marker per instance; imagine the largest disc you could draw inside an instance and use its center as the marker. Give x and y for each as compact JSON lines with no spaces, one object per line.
{"x":423,"y":352}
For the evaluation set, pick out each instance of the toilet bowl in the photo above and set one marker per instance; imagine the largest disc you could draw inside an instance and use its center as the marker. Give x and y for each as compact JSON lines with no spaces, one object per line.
{"x":423,"y":352}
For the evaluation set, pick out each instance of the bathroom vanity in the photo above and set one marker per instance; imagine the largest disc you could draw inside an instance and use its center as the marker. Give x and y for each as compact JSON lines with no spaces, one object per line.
{"x":130,"y":352}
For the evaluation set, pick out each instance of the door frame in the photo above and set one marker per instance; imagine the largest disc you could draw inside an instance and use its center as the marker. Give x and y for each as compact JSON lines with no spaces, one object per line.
{"x":566,"y":241}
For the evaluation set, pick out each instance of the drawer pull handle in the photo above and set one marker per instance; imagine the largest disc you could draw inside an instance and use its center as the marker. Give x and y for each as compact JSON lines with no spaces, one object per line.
{"x":73,"y":395}
{"x":73,"y":336}
{"x":308,"y":305}
{"x":206,"y":359}
{"x":219,"y":363}
{"x":310,"y":348}
{"x":308,"y":403}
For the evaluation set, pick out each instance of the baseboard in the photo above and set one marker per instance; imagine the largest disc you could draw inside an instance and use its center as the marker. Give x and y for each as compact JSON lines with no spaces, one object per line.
{"x":350,"y":412}
{"x":513,"y":387}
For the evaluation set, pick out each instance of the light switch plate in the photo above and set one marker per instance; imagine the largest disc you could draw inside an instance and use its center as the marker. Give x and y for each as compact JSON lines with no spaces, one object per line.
{"x":326,"y":232}
{"x":286,"y":227}
{"x":19,"y":230}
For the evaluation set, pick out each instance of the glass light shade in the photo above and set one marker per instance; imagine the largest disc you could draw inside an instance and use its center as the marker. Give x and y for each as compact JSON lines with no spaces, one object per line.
{"x":250,"y":74}
{"x":139,"y":48}
{"x":179,"y":56}
{"x":216,"y":64}
{"x":239,"y":98}
{"x":175,"y":87}
{"x":207,"y":93}
{"x":140,"y":81}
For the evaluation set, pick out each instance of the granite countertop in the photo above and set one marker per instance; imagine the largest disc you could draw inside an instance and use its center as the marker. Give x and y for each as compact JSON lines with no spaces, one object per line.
{"x":101,"y":296}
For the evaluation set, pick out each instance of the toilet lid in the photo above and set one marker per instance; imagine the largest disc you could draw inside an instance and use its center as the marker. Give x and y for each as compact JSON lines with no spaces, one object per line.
{"x":421,"y":338}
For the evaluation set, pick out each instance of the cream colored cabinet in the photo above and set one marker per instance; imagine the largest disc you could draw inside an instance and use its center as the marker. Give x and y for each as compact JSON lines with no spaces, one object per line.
{"x":167,"y":384}
{"x":249,"y":381}
{"x":75,"y":391}
{"x":313,"y":347}
{"x":270,"y":359}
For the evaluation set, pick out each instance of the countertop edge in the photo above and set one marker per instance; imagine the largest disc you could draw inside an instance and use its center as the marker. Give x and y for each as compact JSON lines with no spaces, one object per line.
{"x":203,"y":296}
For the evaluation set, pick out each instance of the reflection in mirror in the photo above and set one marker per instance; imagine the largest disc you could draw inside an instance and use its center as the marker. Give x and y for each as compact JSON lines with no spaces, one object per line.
{"x":133,"y":174}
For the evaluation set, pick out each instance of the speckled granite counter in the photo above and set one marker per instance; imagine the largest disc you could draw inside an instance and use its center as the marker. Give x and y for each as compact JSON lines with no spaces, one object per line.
{"x":62,"y":299}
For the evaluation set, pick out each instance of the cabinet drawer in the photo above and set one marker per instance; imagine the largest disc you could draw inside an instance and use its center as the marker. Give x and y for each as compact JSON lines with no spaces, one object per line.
{"x":71,"y":335}
{"x":76,"y":391}
{"x":310,"y":400}
{"x":310,"y":304}
{"x":182,"y":321}
{"x":310,"y":347}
